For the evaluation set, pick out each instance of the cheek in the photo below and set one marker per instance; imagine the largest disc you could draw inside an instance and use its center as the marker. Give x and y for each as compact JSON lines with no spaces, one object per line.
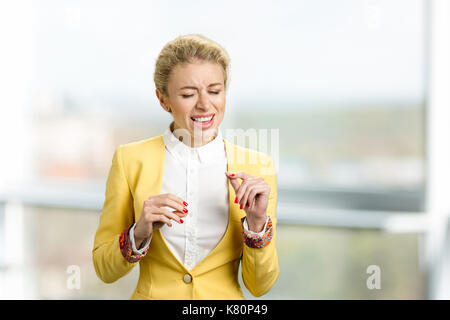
{"x":220,"y":103}
{"x":183,"y":108}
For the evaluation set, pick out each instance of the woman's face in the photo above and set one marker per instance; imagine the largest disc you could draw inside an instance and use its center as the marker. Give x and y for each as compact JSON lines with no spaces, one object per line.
{"x":196,"y":90}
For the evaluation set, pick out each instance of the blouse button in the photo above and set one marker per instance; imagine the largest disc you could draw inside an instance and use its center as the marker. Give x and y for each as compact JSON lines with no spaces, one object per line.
{"x":187,"y":278}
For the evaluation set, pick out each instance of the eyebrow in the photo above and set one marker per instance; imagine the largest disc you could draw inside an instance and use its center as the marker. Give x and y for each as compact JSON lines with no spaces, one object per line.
{"x":195,"y":88}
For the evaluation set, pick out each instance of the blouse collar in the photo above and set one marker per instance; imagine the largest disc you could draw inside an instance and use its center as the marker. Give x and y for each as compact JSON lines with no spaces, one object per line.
{"x":212,"y":151}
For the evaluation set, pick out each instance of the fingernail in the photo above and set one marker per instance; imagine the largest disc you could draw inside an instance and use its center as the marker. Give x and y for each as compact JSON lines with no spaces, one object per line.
{"x":241,"y":206}
{"x":236,"y":200}
{"x":232,"y":174}
{"x":185,"y":203}
{"x":181,"y":220}
{"x":185,"y":210}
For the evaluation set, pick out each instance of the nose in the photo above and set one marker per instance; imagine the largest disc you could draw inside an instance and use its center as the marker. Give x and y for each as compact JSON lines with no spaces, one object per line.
{"x":203,"y":102}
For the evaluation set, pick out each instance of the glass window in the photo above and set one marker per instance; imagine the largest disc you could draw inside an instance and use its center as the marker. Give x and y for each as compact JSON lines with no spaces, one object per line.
{"x":315,"y":262}
{"x":59,"y":246}
{"x":332,"y":263}
{"x":342,"y":81}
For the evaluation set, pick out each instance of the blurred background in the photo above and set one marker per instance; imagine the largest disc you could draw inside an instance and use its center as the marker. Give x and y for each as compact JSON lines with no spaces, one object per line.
{"x":358,"y":89}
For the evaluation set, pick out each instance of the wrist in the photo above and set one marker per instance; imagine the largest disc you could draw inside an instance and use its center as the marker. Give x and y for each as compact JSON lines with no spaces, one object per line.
{"x":138,"y":242}
{"x":138,"y":238}
{"x":128,"y":246}
{"x":256,"y":225}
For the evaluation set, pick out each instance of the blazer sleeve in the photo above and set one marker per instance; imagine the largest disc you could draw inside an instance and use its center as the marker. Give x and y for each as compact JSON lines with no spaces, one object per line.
{"x":117,"y":215}
{"x":260,"y":269}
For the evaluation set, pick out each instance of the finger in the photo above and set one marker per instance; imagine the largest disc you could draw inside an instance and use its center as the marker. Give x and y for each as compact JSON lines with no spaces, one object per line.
{"x":235,"y":175}
{"x":170,"y":209}
{"x":235,"y":184}
{"x":244,"y":186}
{"x":170,"y":202}
{"x":255,"y":191}
{"x":169,"y":215}
{"x":248,"y":195}
{"x":175,"y":199}
{"x":242,"y":193}
{"x":162,"y":218}
{"x":174,"y":202}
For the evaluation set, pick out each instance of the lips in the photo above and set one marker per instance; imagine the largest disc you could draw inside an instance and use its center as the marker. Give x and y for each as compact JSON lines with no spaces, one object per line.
{"x":205,"y":124}
{"x":203,"y":116}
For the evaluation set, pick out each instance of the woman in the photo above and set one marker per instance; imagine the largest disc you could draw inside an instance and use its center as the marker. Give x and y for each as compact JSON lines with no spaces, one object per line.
{"x":188,"y":205}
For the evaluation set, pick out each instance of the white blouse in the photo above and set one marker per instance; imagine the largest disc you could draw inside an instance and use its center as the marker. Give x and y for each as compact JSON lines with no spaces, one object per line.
{"x":196,"y":175}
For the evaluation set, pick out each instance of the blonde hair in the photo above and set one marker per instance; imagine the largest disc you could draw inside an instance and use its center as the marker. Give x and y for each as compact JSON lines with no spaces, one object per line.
{"x":187,"y":49}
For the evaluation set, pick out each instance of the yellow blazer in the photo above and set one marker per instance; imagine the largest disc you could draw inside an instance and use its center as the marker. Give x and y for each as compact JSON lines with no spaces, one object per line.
{"x":136,"y":173}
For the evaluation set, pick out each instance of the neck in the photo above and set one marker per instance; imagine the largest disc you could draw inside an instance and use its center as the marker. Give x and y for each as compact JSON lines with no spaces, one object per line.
{"x":194,"y":142}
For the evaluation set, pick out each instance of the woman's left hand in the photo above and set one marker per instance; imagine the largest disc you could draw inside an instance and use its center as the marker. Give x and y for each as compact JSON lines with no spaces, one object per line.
{"x":253,"y":196}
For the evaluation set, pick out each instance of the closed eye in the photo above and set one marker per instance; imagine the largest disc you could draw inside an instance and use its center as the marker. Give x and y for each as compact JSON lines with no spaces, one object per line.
{"x":190,"y":95}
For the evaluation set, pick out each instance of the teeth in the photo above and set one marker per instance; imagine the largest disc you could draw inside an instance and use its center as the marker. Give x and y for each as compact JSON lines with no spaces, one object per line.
{"x":202,"y":119}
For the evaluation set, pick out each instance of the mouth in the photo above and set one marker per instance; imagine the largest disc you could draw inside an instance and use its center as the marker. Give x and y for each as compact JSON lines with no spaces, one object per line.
{"x":203,"y":122}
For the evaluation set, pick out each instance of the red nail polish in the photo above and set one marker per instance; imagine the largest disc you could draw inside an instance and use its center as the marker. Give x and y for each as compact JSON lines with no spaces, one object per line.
{"x":232,"y":174}
{"x":185,"y":203}
{"x":185,"y":210}
{"x":236,"y":201}
{"x":181,"y":220}
{"x":242,"y":206}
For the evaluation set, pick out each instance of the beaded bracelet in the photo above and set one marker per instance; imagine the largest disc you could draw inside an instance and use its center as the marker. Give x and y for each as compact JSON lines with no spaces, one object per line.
{"x":127,"y":249}
{"x":256,"y":241}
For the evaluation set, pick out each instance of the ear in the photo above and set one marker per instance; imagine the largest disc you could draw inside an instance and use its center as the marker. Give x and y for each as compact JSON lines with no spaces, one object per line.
{"x":162,"y":101}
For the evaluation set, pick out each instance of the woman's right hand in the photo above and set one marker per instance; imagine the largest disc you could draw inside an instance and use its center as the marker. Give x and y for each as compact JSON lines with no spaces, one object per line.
{"x":153,"y":216}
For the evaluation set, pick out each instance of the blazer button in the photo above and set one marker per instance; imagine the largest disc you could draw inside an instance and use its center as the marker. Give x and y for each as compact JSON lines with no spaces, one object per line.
{"x":187,"y":278}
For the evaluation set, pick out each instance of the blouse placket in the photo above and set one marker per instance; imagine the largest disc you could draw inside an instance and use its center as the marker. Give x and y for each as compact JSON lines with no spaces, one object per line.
{"x":192,"y":182}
